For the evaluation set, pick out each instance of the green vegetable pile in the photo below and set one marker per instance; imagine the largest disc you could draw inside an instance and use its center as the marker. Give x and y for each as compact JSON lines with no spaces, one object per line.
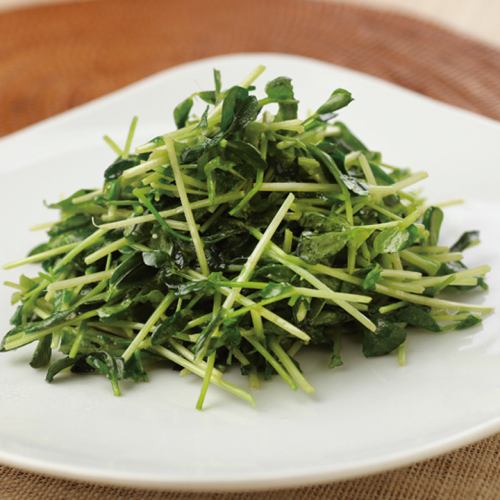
{"x":237,"y":240}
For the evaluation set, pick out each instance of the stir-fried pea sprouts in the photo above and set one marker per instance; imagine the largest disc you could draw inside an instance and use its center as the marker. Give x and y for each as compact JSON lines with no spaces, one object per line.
{"x":237,"y":240}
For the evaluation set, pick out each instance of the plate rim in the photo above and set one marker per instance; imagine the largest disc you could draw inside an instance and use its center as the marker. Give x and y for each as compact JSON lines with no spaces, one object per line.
{"x":327,"y":474}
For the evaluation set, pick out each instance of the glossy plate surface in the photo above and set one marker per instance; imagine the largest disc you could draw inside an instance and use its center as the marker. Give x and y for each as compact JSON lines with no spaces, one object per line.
{"x":368,"y":416}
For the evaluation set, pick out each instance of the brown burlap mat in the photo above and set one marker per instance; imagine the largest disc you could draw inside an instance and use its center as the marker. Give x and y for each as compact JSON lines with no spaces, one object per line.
{"x":53,"y":58}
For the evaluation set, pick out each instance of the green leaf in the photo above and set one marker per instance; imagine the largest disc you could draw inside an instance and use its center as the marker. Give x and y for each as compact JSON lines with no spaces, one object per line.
{"x":166,"y":329}
{"x":281,"y":90}
{"x":470,"y":321}
{"x":58,"y":366}
{"x":432,"y":219}
{"x":348,"y":139}
{"x":338,"y":99}
{"x":274,"y":290}
{"x":356,"y":186}
{"x":155,"y":258}
{"x":134,"y":369}
{"x":384,"y":340}
{"x":130,"y":264}
{"x":318,"y":247}
{"x":238,"y":109}
{"x":112,"y":310}
{"x":110,"y":366}
{"x":181,"y":112}
{"x":43,"y":352}
{"x":208,"y":96}
{"x":414,"y":315}
{"x":245,"y":153}
{"x":467,"y":240}
{"x":372,"y":278}
{"x":116,"y":169}
{"x":315,"y":221}
{"x":207,"y":332}
{"x":394,"y":239}
{"x":274,"y":272}
{"x":230,"y":336}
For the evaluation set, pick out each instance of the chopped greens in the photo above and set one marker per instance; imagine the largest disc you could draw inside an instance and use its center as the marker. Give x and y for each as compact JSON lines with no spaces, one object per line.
{"x":236,"y":240}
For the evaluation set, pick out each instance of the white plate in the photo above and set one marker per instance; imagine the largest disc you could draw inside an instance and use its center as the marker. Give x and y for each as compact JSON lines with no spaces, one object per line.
{"x":367,"y":416}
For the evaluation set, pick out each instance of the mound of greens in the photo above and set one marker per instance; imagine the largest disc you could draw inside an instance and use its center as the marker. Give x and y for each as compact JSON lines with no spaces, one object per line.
{"x":239,"y":239}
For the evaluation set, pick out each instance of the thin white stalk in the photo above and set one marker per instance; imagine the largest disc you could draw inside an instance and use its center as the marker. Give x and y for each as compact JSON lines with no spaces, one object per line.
{"x":86,"y":197}
{"x":148,"y":326}
{"x":225,"y":198}
{"x":78,"y":281}
{"x":291,"y":367}
{"x":383,"y":191}
{"x":448,"y":257}
{"x":87,"y":242}
{"x":143,"y":168}
{"x":449,"y":203}
{"x":41,"y":256}
{"x":188,"y":213}
{"x":130,"y":136}
{"x":214,"y":379}
{"x":106,"y":250}
{"x":253,"y":259}
{"x":400,"y":274}
{"x":293,"y":125}
{"x":299,"y":187}
{"x":323,"y":294}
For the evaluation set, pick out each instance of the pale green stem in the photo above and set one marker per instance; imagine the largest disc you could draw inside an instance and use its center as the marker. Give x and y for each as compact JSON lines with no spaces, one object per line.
{"x":220,"y":382}
{"x":41,"y":256}
{"x":86,"y":197}
{"x":402,"y":354}
{"x":272,"y":361}
{"x":130,"y":137}
{"x":188,"y":213}
{"x":143,"y":168}
{"x":304,"y":187}
{"x":76,"y":344}
{"x":429,"y":249}
{"x":112,"y":144}
{"x":80,"y":280}
{"x":448,"y":257}
{"x":257,"y":252}
{"x":258,"y":326}
{"x":391,"y":307}
{"x":449,"y":203}
{"x":22,"y":338}
{"x":150,"y":323}
{"x":106,"y":250}
{"x":400,"y":274}
{"x":87,"y":242}
{"x":413,"y":286}
{"x":383,"y":191}
{"x":291,"y":367}
{"x":288,"y":241}
{"x":431,"y":267}
{"x":218,"y":200}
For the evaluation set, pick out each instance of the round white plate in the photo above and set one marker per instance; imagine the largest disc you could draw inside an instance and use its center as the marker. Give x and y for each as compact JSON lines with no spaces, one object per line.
{"x":367,"y":416}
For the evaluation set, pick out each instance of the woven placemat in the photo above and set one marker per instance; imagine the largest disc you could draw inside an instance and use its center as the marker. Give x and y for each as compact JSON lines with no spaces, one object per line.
{"x":53,"y":58}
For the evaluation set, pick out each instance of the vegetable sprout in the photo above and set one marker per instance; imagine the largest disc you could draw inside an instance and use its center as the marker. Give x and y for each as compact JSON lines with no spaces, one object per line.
{"x":235,"y":241}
